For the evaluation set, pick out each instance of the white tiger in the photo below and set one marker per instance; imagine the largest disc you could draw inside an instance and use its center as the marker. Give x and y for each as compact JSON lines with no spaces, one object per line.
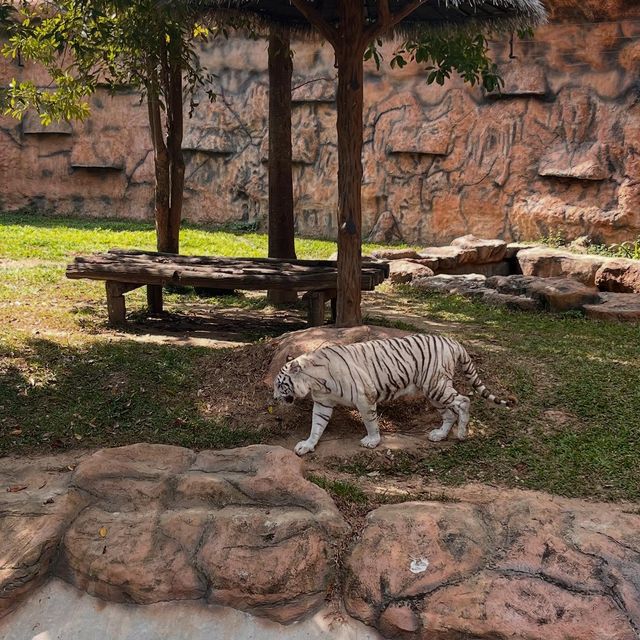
{"x":365,"y":374}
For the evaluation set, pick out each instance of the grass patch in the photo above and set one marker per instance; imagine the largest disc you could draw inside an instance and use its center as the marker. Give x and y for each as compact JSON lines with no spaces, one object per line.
{"x":576,"y":428}
{"x":60,"y":396}
{"x":66,"y":381}
{"x":340,"y":489}
{"x":32,"y":235}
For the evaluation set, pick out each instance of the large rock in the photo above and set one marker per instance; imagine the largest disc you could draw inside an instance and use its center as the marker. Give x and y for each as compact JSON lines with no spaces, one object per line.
{"x":444,"y":258}
{"x":549,"y":263}
{"x":403,"y":271}
{"x":35,"y":510}
{"x":487,"y":250}
{"x":563,"y":294}
{"x":471,"y":285}
{"x":394,"y":254}
{"x":295,"y":343}
{"x":155,"y":523}
{"x":619,"y":276}
{"x":497,"y":564}
{"x":623,"y":307}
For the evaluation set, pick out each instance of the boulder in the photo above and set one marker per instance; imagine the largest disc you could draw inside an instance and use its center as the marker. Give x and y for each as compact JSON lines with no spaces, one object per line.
{"x":549,"y":263}
{"x":510,"y":301}
{"x":295,"y":343}
{"x":439,"y":258}
{"x":624,"y":307}
{"x":514,"y":248}
{"x":242,"y":528}
{"x":488,"y":250}
{"x":619,"y":276}
{"x":497,"y":564}
{"x":563,"y":294}
{"x":470,"y":285}
{"x":394,"y":254}
{"x":403,"y":271}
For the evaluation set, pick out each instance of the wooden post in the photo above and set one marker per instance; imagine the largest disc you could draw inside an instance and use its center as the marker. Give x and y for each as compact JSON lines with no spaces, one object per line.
{"x":115,"y":303}
{"x":281,"y":220}
{"x":154,"y":298}
{"x":349,"y":57}
{"x":315,"y":313}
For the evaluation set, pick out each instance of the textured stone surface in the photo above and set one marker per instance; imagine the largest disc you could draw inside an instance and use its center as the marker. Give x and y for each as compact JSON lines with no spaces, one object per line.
{"x":154,"y":523}
{"x":403,"y":271}
{"x":624,"y":307}
{"x":563,"y":294}
{"x":394,"y":254}
{"x":465,"y":285}
{"x":545,"y":262}
{"x":439,"y":162}
{"x":620,"y":276}
{"x":497,"y":565}
{"x":35,"y":509}
{"x":487,"y":250}
{"x":294,"y":344}
{"x":244,"y":528}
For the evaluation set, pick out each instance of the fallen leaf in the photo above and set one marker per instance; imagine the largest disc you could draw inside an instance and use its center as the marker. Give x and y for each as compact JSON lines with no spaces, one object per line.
{"x":103,"y":532}
{"x":77,"y":436}
{"x":16,"y":488}
{"x":16,"y":432}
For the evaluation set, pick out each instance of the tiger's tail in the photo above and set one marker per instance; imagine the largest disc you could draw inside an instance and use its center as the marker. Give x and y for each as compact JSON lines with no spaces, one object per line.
{"x":469,"y":370}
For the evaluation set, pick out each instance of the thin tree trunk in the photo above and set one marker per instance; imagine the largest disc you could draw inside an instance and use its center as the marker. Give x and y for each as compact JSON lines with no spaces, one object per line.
{"x":162,"y":186}
{"x":349,"y":58}
{"x":175,"y":127}
{"x":281,"y":220}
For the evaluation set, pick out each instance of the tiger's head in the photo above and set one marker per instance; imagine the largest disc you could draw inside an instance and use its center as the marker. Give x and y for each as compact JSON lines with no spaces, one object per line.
{"x":290,"y":383}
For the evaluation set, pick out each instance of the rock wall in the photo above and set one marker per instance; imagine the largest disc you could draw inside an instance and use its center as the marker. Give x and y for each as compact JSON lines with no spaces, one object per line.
{"x":557,"y":151}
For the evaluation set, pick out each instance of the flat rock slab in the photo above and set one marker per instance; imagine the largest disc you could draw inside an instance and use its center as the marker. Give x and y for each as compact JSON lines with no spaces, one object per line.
{"x":620,"y":276}
{"x":623,"y":307}
{"x":403,"y":271}
{"x":492,"y":250}
{"x":545,"y":262}
{"x":498,"y":564}
{"x":154,"y":523}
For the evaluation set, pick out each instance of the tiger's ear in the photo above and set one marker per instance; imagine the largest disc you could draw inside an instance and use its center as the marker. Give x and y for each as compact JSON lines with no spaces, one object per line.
{"x":295,"y":368}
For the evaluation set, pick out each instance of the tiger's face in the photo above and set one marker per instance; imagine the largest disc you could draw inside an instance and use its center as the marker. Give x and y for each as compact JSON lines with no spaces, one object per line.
{"x":287,"y":386}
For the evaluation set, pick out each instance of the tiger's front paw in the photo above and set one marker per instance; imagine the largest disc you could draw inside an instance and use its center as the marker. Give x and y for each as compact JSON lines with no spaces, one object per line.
{"x":371,"y":442}
{"x":303,"y":447}
{"x":437,"y":435}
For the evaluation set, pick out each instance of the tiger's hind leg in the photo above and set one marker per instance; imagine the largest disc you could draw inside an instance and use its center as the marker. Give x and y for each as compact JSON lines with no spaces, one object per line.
{"x":370,"y":418}
{"x":454,"y":408}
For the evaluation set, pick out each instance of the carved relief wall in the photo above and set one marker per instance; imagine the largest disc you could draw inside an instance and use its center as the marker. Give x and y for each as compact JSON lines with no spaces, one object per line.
{"x":557,"y":150}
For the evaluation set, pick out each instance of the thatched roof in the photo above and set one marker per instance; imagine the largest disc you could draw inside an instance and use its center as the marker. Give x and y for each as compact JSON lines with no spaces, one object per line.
{"x":503,"y":15}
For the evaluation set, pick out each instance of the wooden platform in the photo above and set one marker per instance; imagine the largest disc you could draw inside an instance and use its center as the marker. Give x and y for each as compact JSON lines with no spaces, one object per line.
{"x":125,"y":270}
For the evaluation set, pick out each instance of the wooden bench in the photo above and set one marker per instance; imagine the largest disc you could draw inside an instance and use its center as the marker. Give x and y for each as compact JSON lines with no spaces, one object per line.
{"x":124,"y":270}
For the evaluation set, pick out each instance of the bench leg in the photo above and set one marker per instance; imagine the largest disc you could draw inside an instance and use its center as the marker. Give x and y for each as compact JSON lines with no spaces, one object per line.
{"x":315,"y":315}
{"x":115,"y":303}
{"x":154,"y":298}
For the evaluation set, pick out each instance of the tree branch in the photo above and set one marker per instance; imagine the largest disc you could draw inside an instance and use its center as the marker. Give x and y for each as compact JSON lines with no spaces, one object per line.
{"x":390,"y":19}
{"x":315,"y":18}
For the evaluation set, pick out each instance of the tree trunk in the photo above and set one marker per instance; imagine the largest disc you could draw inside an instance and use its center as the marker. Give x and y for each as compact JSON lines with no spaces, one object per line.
{"x":349,"y":58}
{"x":175,"y":126}
{"x":281,"y":221}
{"x":162,"y":187}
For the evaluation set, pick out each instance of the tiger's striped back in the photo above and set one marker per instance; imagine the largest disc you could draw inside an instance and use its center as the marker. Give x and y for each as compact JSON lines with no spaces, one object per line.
{"x":398,"y":367}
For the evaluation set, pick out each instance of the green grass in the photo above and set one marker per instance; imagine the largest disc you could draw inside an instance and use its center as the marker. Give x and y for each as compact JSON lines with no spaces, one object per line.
{"x":59,"y":395}
{"x":584,"y":371}
{"x":340,"y":489}
{"x":32,"y":235}
{"x":66,"y":382}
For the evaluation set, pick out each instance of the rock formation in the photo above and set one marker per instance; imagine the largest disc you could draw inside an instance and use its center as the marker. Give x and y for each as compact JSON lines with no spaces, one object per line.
{"x":148,"y":524}
{"x":557,"y":151}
